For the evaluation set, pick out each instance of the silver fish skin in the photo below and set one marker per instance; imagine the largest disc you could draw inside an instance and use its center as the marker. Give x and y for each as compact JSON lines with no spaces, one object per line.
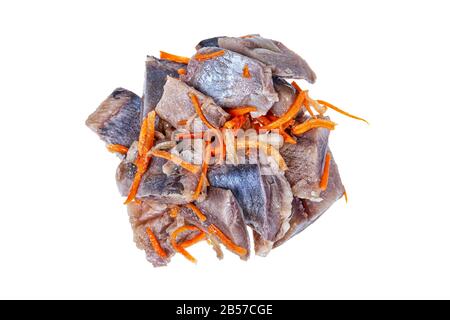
{"x":117,"y":119}
{"x":156,"y":73}
{"x":222,"y":79}
{"x":284,"y":62}
{"x":264,"y":199}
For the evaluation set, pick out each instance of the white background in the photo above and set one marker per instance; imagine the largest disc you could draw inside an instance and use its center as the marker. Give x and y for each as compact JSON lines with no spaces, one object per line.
{"x":64,"y":232}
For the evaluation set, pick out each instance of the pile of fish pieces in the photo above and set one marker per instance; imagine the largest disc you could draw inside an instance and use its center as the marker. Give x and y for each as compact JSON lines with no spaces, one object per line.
{"x":276,"y":206}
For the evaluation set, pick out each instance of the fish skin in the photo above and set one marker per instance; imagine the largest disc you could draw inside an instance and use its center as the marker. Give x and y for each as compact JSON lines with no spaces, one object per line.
{"x":306,"y":212}
{"x":284,"y":62}
{"x":117,"y":119}
{"x":222,"y":79}
{"x":305,"y":161}
{"x":174,"y":188}
{"x":260,"y":197}
{"x":222,"y":209}
{"x":175,"y":105}
{"x":156,"y":72}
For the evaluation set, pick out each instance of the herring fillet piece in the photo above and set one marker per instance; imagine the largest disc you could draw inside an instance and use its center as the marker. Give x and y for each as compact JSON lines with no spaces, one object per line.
{"x":222,"y":79}
{"x":156,"y":72}
{"x":174,"y":188}
{"x":117,"y":119}
{"x":222,"y":209}
{"x":284,"y":62}
{"x":175,"y":105}
{"x":264,"y":199}
{"x":286,"y":95}
{"x":305,"y":212}
{"x":305,"y":162}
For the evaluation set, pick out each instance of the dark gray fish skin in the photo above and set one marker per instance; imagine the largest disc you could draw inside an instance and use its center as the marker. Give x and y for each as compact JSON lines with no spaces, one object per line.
{"x":156,"y":72}
{"x":117,"y":119}
{"x":305,"y":162}
{"x":175,"y":188}
{"x":211,"y":42}
{"x":176,"y":105}
{"x":286,"y":96}
{"x":222,"y":79}
{"x":222,"y":209}
{"x":306,"y":212}
{"x":261,"y":197}
{"x":284,"y":62}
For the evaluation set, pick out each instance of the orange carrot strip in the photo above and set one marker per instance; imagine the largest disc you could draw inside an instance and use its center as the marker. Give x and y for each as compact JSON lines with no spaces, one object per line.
{"x":208,"y":56}
{"x":197,"y":135}
{"x":117,"y":148}
{"x":197,"y":211}
{"x":311,"y":124}
{"x":226,"y":241}
{"x":201,"y":236}
{"x":173,"y":212}
{"x":235,"y":123}
{"x":345,"y":196}
{"x":329,"y":105}
{"x":145,"y":143}
{"x":174,"y":58}
{"x":199,"y":111}
{"x":308,"y":108}
{"x":181,"y":71}
{"x":203,"y":179}
{"x":326,"y":172}
{"x":175,"y":159}
{"x":246,"y":72}
{"x":287,"y":138}
{"x":155,"y":243}
{"x":173,"y":240}
{"x":182,"y":122}
{"x":292,"y":111}
{"x":264,"y":120}
{"x":241,"y":111}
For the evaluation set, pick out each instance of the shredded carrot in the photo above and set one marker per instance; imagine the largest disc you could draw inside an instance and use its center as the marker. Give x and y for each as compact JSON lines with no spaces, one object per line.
{"x":311,"y":124}
{"x":208,"y":56}
{"x":291,"y":113}
{"x":173,"y":240}
{"x":345,"y":196}
{"x":247,"y":36}
{"x":197,"y":135}
{"x":197,"y":211}
{"x":181,"y":71}
{"x":308,"y":108}
{"x":203,"y":178}
{"x":137,"y":201}
{"x":287,"y":138}
{"x":199,"y":111}
{"x":175,"y":159}
{"x":144,"y":144}
{"x":269,"y":149}
{"x":246,"y":72}
{"x":117,"y":148}
{"x":155,"y":243}
{"x":241,"y":110}
{"x":201,"y":236}
{"x":329,"y":105}
{"x":326,"y":172}
{"x":173,"y":212}
{"x":235,"y":123}
{"x":264,"y":120}
{"x":226,"y":241}
{"x":182,"y":122}
{"x":174,"y":58}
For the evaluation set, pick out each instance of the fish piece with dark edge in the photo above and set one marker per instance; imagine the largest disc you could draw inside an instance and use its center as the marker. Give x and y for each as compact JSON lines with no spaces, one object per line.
{"x":117,"y":119}
{"x":305,"y":212}
{"x":222,"y":209}
{"x":284,"y":62}
{"x":286,"y":96}
{"x":264,"y":199}
{"x":175,"y":105}
{"x":222,"y":79}
{"x":305,"y":161}
{"x":156,"y":72}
